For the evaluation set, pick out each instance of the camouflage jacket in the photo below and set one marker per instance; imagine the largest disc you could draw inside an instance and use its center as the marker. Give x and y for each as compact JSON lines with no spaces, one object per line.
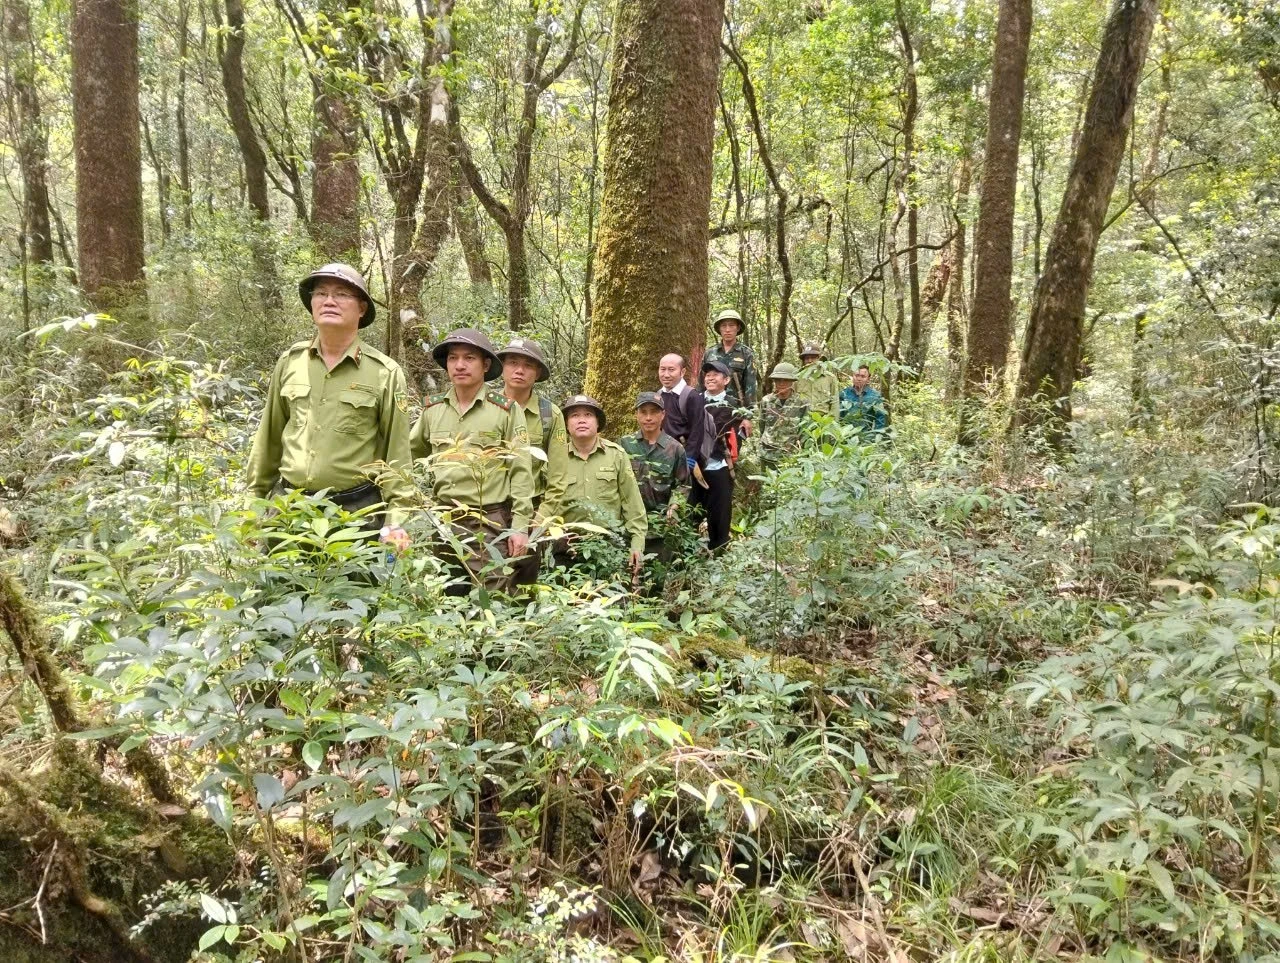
{"x":781,"y":423}
{"x":661,"y":469}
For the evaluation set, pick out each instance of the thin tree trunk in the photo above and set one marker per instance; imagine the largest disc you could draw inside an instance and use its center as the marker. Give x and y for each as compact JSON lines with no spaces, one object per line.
{"x":32,"y":139}
{"x":183,"y":138}
{"x":108,"y":150}
{"x":910,"y":111}
{"x":651,"y":289}
{"x":163,"y":178}
{"x":1054,"y":331}
{"x":470,"y":237}
{"x":991,"y":315}
{"x":956,"y":312}
{"x":231,"y":60}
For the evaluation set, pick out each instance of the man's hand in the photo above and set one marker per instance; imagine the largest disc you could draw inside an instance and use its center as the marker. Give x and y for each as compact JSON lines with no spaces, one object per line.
{"x":517,"y":544}
{"x":396,"y":537}
{"x":746,"y":428}
{"x":637,"y":559}
{"x":671,"y":512}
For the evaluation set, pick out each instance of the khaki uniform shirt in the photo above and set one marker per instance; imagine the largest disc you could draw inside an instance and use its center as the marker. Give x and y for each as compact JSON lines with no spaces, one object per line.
{"x":603,"y":491}
{"x":550,"y":476}
{"x":479,"y":455}
{"x":323,"y":428}
{"x":821,"y":392}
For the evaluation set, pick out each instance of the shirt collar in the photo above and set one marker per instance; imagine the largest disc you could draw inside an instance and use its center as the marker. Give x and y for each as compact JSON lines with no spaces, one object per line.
{"x":452,"y":396}
{"x":598,"y":445}
{"x":353,"y":351}
{"x":677,"y":389}
{"x":719,"y":397}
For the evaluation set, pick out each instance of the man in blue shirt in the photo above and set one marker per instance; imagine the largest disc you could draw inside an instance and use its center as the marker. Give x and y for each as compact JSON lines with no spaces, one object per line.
{"x":862,"y":406}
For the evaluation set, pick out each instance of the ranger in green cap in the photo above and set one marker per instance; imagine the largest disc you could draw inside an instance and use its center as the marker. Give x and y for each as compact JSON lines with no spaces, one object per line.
{"x":742,"y":391}
{"x":336,"y":408}
{"x":820,"y":390}
{"x":782,"y":415}
{"x":523,"y":367}
{"x":661,"y":468}
{"x":602,"y":489}
{"x":477,"y":448}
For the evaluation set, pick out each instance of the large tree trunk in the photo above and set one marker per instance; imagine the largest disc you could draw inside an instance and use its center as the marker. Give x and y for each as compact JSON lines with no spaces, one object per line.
{"x":335,"y":181}
{"x":32,"y":140}
{"x":991,"y":315}
{"x":1054,"y":331}
{"x":108,"y":147}
{"x":651,"y":286}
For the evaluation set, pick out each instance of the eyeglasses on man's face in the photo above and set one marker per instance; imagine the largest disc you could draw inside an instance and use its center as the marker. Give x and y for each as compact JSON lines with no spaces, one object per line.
{"x":341,"y":295}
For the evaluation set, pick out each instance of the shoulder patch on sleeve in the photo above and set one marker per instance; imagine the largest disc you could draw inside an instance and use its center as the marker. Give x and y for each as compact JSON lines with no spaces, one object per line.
{"x":500,"y":400}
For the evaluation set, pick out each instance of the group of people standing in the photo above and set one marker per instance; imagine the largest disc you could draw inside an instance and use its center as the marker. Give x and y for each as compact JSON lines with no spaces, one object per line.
{"x":507,"y":463}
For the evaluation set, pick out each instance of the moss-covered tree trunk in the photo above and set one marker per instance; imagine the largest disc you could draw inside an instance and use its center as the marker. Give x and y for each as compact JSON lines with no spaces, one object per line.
{"x":108,"y":147}
{"x":1055,"y":331}
{"x":651,"y":285}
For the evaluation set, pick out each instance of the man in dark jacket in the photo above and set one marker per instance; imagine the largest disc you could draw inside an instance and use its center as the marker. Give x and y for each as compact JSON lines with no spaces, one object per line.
{"x":715,"y":501}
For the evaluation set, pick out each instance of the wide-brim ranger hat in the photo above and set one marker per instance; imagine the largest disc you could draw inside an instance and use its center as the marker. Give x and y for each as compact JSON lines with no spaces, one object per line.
{"x":812,"y":349}
{"x":715,"y":364}
{"x":648,"y":398}
{"x":528,"y":348}
{"x":347,"y":275}
{"x":784,"y":371}
{"x":585,"y":401}
{"x":471,"y":338}
{"x":729,"y":314}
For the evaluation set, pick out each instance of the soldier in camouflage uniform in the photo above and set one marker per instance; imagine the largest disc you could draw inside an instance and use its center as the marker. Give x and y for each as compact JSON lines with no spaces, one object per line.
{"x":476,"y":445}
{"x":523,"y":367}
{"x":661,"y":468}
{"x":336,"y":407}
{"x":602,"y":489}
{"x":820,"y":390}
{"x":742,"y":391}
{"x":782,"y":417}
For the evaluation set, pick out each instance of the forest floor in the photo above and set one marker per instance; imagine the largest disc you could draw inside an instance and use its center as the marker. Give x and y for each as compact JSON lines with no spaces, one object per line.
{"x":931,"y":704}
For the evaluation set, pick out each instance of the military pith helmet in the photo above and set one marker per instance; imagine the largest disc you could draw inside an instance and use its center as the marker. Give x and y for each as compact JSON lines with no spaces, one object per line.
{"x":729,"y":314}
{"x":811,"y":348}
{"x":784,"y":371}
{"x":585,"y":401}
{"x":528,"y":348}
{"x":714,"y":364}
{"x":347,"y":275}
{"x":648,"y":398}
{"x":472,"y":338}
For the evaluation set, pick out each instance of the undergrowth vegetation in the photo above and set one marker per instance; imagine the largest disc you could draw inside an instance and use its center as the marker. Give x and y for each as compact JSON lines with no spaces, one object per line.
{"x":932,"y":703}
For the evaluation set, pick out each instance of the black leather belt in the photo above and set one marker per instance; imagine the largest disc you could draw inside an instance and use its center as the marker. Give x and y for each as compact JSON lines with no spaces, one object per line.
{"x":347,"y":496}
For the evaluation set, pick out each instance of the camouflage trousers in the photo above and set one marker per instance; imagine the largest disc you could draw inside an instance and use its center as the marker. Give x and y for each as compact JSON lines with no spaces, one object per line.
{"x":479,"y":534}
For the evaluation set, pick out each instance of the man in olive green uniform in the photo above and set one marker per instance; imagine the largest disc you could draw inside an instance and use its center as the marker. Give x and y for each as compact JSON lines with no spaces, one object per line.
{"x":820,"y":390}
{"x":782,"y":416}
{"x":661,"y":468}
{"x":477,"y":452}
{"x":335,"y":408}
{"x":742,"y":391}
{"x":601,"y":489}
{"x":523,"y":367}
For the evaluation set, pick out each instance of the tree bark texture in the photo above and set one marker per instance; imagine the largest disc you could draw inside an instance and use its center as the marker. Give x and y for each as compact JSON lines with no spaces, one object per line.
{"x":108,"y":149}
{"x":651,"y":286}
{"x":1054,"y":331}
{"x":32,"y":140}
{"x":906,"y":185}
{"x":956,"y":308}
{"x":991,"y":315}
{"x":231,"y":60}
{"x":335,"y":181}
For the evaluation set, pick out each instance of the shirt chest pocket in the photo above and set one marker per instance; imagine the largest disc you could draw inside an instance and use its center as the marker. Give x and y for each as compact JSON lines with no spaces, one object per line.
{"x":297,"y":402}
{"x":357,"y":411}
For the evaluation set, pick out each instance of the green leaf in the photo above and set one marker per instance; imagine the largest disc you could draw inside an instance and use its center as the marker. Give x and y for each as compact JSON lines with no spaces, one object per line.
{"x":211,"y":936}
{"x":313,"y":755}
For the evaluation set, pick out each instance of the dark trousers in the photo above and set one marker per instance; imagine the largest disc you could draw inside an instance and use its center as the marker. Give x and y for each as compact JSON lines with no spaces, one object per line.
{"x":715,"y":504}
{"x":471,"y":561}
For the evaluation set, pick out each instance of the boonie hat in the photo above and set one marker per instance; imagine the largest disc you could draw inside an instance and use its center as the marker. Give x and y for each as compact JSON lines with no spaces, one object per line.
{"x":714,"y":364}
{"x":648,"y":398}
{"x":528,"y":348}
{"x":585,"y":401}
{"x":784,"y":371}
{"x":729,"y":314}
{"x":338,"y":272}
{"x":472,"y":338}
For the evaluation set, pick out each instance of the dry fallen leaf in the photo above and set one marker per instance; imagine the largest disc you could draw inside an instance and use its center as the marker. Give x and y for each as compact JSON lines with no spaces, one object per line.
{"x":650,"y":868}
